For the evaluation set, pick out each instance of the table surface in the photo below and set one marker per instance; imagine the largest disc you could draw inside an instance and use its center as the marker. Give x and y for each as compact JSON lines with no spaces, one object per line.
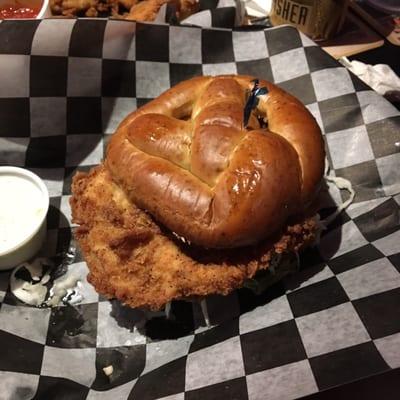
{"x":387,"y":54}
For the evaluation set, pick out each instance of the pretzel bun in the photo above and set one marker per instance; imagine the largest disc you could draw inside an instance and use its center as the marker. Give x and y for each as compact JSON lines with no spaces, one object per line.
{"x":186,"y":158}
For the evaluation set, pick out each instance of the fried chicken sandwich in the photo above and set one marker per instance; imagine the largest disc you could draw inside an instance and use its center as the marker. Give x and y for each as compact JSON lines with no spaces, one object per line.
{"x":202,"y":190}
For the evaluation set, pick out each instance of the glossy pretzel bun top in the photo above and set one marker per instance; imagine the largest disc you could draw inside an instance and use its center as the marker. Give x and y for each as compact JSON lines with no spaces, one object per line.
{"x":186,"y":158}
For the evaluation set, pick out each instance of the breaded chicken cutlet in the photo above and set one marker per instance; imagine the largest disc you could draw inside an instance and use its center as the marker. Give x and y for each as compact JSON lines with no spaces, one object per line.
{"x":134,"y":259}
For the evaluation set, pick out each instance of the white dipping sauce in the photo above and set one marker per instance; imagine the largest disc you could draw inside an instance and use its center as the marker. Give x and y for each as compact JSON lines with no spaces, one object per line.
{"x":21,"y":210}
{"x":64,"y":288}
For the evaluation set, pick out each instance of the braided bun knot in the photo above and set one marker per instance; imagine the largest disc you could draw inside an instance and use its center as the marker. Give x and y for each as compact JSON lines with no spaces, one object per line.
{"x":186,"y":158}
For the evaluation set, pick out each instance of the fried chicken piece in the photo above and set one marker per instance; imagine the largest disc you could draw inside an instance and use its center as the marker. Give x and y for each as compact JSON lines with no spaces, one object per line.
{"x":72,"y":7}
{"x":139,"y":10}
{"x":188,"y":7}
{"x":146,"y":10}
{"x":128,"y":4}
{"x":87,"y":8}
{"x":132,"y":258}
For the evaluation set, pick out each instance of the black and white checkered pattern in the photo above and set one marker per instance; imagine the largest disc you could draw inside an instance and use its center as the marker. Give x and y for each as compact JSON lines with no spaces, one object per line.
{"x":64,"y":87}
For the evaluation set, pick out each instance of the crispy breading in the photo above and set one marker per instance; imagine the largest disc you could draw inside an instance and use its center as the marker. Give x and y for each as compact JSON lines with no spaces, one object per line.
{"x":145,"y":10}
{"x":138,"y":10}
{"x":132,"y":258}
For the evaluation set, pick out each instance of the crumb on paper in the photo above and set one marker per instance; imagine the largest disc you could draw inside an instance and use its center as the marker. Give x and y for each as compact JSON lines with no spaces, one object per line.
{"x":108,"y":370}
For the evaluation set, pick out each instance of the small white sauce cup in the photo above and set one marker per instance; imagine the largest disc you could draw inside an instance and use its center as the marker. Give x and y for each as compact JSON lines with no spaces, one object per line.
{"x":30,"y":243}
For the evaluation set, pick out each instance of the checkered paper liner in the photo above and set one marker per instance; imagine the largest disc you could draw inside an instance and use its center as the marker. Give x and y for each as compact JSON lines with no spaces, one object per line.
{"x":64,"y":87}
